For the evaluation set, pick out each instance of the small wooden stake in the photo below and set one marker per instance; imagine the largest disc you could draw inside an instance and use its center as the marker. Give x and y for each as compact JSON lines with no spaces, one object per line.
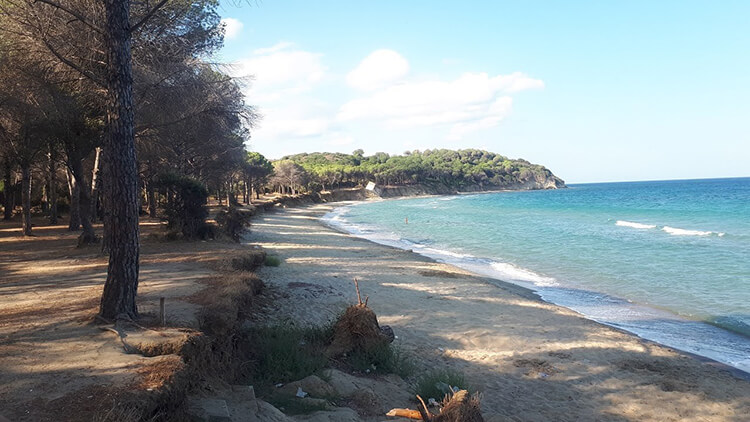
{"x":356,"y":285}
{"x":162,"y":312}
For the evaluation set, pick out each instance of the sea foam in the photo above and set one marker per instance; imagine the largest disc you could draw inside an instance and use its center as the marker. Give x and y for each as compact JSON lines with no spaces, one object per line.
{"x":685,"y":232}
{"x":674,"y":231}
{"x":634,"y":225}
{"x":510,"y":272}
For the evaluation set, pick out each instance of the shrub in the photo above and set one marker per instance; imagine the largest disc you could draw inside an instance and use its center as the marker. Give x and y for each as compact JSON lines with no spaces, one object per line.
{"x":286,"y":353}
{"x":186,"y":210}
{"x":436,"y":384}
{"x":233,"y":222}
{"x":272,"y":261}
{"x":249,"y":261}
{"x":381,"y":359}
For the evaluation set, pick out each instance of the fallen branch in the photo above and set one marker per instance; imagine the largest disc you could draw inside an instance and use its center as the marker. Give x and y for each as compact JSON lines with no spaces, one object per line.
{"x":423,"y":412}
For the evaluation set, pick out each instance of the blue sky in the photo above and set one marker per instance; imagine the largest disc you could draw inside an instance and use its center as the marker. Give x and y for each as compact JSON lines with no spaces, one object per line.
{"x":594,"y":90}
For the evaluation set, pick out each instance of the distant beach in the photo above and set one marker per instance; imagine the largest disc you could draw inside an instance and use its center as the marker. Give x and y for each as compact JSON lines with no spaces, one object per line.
{"x":531,"y":359}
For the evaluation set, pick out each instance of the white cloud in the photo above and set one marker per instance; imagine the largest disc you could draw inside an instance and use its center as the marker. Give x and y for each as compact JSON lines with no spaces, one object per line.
{"x":279,"y":71}
{"x":281,"y":78}
{"x":232,"y":28}
{"x":292,"y":87}
{"x":381,"y":67}
{"x":491,"y":117}
{"x":473,"y":101}
{"x":289,"y":123}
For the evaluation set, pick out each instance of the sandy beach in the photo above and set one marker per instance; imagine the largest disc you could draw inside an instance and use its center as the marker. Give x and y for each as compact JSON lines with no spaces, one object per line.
{"x":532,"y":361}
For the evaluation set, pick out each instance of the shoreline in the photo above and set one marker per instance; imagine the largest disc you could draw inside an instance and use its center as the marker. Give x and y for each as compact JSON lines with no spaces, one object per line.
{"x":539,"y":291}
{"x":504,"y":337}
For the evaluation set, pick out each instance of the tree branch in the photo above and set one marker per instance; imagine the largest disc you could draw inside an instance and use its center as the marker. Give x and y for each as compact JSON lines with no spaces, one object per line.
{"x":150,"y":13}
{"x":73,"y":66}
{"x":73,"y":13}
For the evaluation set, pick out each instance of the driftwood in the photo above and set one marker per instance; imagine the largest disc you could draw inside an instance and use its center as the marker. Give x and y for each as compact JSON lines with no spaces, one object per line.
{"x":461,"y":407}
{"x":405,"y":413}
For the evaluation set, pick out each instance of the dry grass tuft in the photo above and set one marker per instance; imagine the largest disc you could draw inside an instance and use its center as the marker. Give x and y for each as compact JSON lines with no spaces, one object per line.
{"x":248,"y":261}
{"x":166,"y":344}
{"x":120,"y":413}
{"x":158,"y":373}
{"x":225,"y":301}
{"x":357,"y":329}
{"x":462,"y":407}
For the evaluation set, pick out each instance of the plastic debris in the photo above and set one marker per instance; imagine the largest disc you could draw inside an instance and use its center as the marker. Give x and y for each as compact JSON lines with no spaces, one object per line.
{"x":443,"y":387}
{"x":300,"y":393}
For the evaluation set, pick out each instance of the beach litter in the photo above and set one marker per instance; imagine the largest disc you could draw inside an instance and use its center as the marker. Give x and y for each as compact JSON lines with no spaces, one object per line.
{"x":460,"y":407}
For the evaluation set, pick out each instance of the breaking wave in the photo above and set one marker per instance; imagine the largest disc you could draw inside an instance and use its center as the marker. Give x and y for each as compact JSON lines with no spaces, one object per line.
{"x":634,"y":225}
{"x":685,"y":232}
{"x":674,"y":231}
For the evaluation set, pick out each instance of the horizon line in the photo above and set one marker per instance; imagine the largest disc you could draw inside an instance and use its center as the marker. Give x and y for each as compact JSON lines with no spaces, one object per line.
{"x":659,"y":180}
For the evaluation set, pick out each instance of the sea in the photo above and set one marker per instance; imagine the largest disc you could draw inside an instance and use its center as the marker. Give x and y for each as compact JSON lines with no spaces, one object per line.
{"x":666,"y":260}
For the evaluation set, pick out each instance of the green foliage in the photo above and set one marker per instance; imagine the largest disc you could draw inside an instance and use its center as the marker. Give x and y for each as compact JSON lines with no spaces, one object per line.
{"x":383,"y":359}
{"x":233,"y":222}
{"x":258,"y":165}
{"x":293,"y":405}
{"x":455,"y":169}
{"x":284,"y":353}
{"x":186,"y":210}
{"x":437,"y":384}
{"x":272,"y":261}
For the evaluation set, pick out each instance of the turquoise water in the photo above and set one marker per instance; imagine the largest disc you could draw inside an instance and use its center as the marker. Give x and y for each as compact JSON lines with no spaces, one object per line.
{"x":669,"y":261}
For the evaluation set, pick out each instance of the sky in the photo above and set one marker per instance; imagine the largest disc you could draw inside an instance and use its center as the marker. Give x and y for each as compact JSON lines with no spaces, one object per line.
{"x":595,"y":91}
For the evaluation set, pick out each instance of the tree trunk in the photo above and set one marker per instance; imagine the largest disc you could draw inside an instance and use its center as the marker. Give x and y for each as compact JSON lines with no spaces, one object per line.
{"x":45,"y":198}
{"x":52,"y":181}
{"x":26,"y":197}
{"x":151,"y":199}
{"x":88,"y":235}
{"x":121,"y":181}
{"x":95,"y":184}
{"x":231,"y":198}
{"x":75,"y":203}
{"x":8,"y":193}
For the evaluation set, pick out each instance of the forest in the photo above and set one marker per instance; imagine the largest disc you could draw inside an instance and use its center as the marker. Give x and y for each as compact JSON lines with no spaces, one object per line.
{"x":107,"y":109}
{"x":467,"y":169}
